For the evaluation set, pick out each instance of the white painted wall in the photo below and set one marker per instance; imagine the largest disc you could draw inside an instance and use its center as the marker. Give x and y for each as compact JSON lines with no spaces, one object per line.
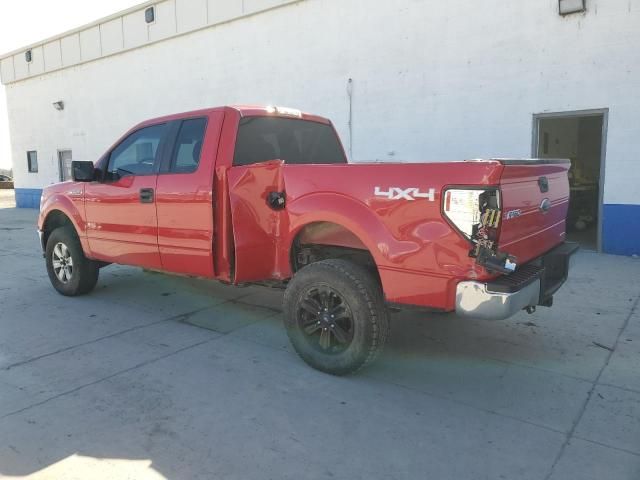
{"x":433,"y":81}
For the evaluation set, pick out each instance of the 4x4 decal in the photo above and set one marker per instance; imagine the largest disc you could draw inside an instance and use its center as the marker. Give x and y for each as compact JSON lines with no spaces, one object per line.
{"x":411,"y":194}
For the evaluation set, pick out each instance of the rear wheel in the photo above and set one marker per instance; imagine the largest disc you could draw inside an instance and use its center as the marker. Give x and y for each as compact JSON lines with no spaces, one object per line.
{"x":335,"y":316}
{"x":70,"y":272}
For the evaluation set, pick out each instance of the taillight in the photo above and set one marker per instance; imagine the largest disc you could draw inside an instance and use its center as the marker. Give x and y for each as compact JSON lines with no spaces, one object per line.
{"x":476,"y":214}
{"x":468,"y":209}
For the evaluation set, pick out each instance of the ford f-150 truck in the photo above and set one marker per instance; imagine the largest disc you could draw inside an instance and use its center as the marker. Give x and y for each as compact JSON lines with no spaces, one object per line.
{"x":266,"y":195}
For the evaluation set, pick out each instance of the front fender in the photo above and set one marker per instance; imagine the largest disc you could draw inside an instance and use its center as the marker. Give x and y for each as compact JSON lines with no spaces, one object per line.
{"x":71,"y":207}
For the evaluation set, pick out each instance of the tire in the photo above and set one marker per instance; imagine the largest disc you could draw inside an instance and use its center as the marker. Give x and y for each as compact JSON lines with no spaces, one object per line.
{"x":70,"y":272}
{"x":358,"y":330}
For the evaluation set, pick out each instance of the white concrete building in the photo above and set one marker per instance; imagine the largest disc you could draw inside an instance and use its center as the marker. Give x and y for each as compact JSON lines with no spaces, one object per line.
{"x":430,"y":81}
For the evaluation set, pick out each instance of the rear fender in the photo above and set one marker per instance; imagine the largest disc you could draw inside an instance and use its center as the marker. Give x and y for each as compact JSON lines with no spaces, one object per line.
{"x":354,"y":217}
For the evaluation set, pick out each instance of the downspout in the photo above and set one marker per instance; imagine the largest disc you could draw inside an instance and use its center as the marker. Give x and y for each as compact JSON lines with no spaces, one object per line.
{"x":350,"y":95}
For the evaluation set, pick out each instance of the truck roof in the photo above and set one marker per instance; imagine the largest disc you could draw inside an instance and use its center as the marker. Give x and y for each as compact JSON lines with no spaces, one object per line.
{"x":244,"y":111}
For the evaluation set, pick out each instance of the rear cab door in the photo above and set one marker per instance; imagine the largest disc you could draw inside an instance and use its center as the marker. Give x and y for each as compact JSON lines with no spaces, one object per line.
{"x":184,"y":194}
{"x":266,"y":146}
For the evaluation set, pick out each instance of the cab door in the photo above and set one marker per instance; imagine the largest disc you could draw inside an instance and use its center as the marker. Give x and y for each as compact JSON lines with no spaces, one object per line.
{"x":122,"y":225}
{"x":185,"y":196}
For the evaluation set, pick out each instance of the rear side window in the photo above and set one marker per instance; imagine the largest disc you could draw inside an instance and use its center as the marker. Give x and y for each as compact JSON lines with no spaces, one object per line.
{"x":188,"y":148}
{"x":136,"y":154}
{"x":295,"y":141}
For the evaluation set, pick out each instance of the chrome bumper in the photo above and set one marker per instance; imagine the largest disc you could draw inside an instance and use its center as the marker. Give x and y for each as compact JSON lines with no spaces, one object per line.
{"x":42,"y":245}
{"x":474,"y":299}
{"x":530,"y":285}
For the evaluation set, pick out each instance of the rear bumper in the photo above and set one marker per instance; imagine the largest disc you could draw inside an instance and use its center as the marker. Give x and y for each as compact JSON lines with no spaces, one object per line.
{"x":531,"y":285}
{"x":476,"y":300}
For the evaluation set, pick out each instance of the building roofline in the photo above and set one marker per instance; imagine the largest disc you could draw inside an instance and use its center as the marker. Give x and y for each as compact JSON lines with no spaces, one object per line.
{"x":14,"y":67}
{"x":80,"y":28}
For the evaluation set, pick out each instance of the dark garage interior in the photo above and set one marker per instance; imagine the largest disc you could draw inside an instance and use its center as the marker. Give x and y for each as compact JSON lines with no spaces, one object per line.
{"x":579,"y":138}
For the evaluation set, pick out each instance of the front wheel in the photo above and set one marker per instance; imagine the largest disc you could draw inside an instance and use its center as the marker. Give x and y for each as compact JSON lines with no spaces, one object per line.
{"x":70,"y":272}
{"x":335,"y":316}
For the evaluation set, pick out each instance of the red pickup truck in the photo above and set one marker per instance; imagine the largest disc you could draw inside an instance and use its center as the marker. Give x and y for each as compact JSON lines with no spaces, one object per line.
{"x":266,"y":195}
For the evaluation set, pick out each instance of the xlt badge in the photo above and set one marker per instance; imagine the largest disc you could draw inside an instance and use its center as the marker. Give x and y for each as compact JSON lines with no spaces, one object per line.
{"x":513,"y":214}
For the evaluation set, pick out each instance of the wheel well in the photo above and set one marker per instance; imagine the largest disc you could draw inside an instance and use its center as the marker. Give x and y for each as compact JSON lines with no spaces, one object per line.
{"x":54,"y":220}
{"x":325,"y":240}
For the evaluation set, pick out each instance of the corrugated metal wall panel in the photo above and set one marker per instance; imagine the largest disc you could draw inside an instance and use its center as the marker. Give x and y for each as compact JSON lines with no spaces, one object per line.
{"x":223,"y":10}
{"x":135,"y":30}
{"x":36,"y":66}
{"x":52,"y":56}
{"x":251,"y":6}
{"x":20,"y":66}
{"x":6,"y":70}
{"x":191,"y":15}
{"x":90,"y":44}
{"x":111,"y":36}
{"x":70,"y":47}
{"x":165,"y":24}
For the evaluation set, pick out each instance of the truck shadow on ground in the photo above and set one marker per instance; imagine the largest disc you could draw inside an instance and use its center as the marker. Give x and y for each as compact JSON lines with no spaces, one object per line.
{"x":524,"y":339}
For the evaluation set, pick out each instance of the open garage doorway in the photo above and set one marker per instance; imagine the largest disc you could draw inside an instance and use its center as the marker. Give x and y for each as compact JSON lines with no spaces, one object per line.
{"x":580,"y":137}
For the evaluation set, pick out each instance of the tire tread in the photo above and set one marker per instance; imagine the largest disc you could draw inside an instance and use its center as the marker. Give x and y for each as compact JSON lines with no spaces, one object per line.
{"x":371,"y":291}
{"x":87,"y":269}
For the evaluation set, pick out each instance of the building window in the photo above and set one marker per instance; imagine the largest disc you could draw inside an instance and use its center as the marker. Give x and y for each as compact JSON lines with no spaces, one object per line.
{"x":150,"y":15}
{"x":32,"y":161}
{"x":572,"y":6}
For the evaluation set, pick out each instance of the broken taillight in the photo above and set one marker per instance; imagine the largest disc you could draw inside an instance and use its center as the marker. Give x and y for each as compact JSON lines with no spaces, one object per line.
{"x":476,"y":214}
{"x":466,"y":208}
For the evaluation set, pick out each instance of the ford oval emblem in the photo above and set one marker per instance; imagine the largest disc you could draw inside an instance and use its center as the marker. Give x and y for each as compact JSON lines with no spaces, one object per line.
{"x":545,"y":205}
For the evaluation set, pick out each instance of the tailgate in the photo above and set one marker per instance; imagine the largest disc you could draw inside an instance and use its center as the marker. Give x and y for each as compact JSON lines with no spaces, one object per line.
{"x":535,"y":201}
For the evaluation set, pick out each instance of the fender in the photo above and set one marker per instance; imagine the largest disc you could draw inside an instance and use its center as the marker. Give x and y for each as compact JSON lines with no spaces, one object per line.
{"x":72,"y":208}
{"x":416,"y":285}
{"x":354,"y":216}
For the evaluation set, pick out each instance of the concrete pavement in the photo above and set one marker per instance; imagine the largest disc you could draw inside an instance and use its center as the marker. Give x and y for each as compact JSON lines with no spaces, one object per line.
{"x":7,"y":198}
{"x":153,"y":376}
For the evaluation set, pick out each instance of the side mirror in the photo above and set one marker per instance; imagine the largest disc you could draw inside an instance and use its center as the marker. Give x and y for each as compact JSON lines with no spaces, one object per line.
{"x":83,"y":171}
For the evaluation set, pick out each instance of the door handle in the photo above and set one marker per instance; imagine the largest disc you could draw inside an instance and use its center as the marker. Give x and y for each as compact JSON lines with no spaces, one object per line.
{"x":146,"y":195}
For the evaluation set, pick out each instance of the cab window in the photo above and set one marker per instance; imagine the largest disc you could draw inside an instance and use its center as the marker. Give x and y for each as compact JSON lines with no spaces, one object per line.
{"x":137,"y":154}
{"x":188,"y":147}
{"x":295,"y":141}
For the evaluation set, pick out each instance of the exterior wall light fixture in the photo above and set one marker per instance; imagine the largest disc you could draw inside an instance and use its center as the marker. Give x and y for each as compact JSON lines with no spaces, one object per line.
{"x":150,"y":15}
